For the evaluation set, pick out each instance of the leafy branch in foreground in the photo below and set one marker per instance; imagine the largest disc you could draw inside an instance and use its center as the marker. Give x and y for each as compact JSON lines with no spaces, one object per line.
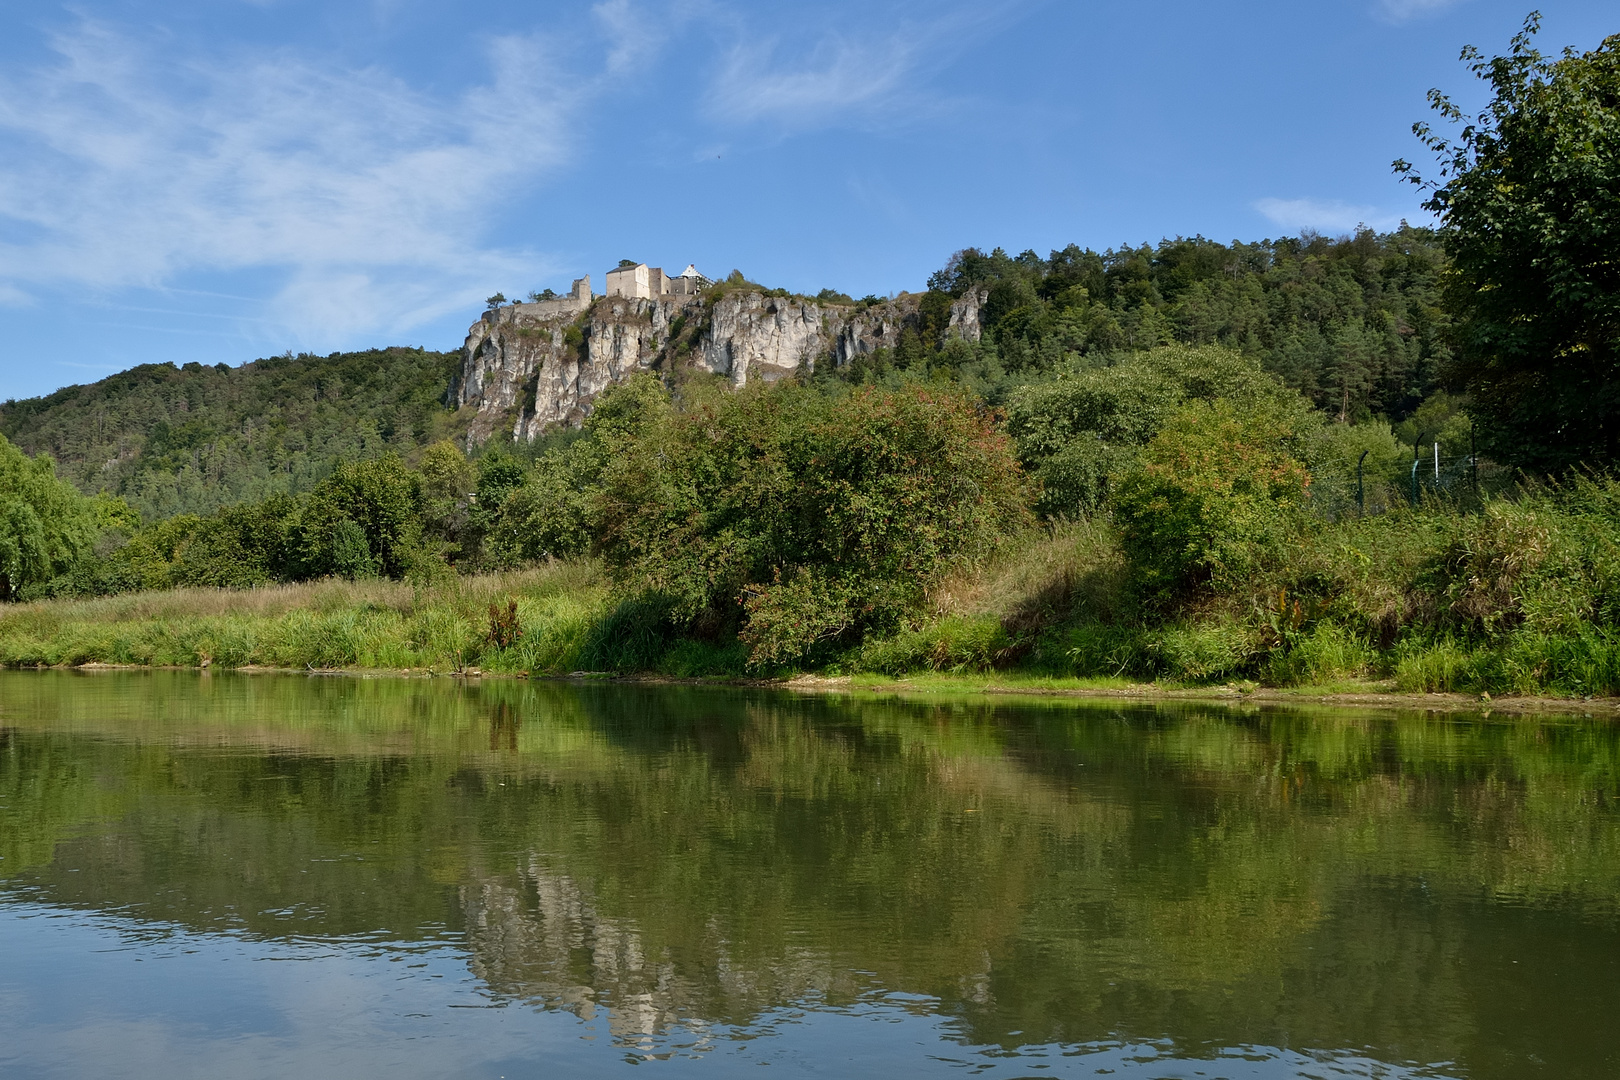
{"x":1529,"y":193}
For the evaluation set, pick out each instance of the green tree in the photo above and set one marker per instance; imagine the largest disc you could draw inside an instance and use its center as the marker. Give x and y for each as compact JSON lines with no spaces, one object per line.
{"x":813,"y":517}
{"x":45,"y":525}
{"x":1078,"y":433}
{"x":1529,"y":193}
{"x":241,"y":546}
{"x":365,"y":518}
{"x":447,"y":501}
{"x":1218,"y":493}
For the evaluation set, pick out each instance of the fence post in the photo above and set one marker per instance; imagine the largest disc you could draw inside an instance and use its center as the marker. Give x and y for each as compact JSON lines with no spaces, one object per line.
{"x":1361,"y":491}
{"x":1415,"y":463}
{"x":1473,"y":459}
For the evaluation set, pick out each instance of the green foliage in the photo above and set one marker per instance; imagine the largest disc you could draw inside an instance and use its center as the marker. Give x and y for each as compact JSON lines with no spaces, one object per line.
{"x":1355,"y":324}
{"x":551,"y":511}
{"x":1217,"y":494}
{"x":364,"y":519}
{"x":1328,"y":653}
{"x":1332,"y":452}
{"x":1083,"y":430}
{"x":1527,"y":196}
{"x":1198,"y":650}
{"x":549,"y":516}
{"x":814,"y":517}
{"x":633,"y":635}
{"x":953,"y":644}
{"x":45,"y":525}
{"x":191,"y":440}
{"x":239,"y":547}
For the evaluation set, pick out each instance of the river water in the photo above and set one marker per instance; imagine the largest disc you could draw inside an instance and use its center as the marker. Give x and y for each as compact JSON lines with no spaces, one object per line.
{"x":278,"y":876}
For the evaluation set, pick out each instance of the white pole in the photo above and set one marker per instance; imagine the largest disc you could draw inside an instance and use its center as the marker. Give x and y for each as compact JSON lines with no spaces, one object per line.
{"x":1437,"y":463}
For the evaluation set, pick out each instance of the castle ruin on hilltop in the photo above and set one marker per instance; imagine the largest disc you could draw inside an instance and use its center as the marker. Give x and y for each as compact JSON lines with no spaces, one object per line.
{"x":634,"y":281}
{"x":530,"y":367}
{"x":646,"y":282}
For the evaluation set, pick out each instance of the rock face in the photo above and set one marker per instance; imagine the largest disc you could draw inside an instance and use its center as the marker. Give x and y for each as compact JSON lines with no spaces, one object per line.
{"x":528,"y":368}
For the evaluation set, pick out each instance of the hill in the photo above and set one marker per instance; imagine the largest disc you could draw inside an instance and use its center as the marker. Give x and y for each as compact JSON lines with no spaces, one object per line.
{"x":1354,"y":324}
{"x":192,"y":439}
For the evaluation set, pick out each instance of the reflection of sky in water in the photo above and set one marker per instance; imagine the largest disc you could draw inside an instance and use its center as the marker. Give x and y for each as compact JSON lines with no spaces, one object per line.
{"x":103,"y":996}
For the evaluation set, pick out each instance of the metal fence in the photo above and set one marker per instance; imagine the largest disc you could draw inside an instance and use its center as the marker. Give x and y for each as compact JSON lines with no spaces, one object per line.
{"x":1357,"y":489}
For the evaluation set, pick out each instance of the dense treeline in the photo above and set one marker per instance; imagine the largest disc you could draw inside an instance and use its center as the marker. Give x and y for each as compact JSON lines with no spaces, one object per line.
{"x":1355,"y":324}
{"x":192,"y":439}
{"x":703,"y":531}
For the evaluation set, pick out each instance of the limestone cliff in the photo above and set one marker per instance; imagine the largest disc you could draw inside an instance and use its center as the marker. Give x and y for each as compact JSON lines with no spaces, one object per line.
{"x":527,"y":368}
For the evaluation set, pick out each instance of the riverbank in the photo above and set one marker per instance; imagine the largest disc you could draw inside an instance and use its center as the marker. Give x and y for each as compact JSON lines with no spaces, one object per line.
{"x":1010,"y":686}
{"x":1368,"y":694}
{"x":1052,"y":614}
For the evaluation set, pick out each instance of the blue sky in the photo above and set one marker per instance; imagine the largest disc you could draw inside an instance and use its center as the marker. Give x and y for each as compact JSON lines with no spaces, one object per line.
{"x":218,"y":180}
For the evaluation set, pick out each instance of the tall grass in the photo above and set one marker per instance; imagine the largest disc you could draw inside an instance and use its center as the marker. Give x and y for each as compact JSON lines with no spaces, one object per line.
{"x":327,"y":624}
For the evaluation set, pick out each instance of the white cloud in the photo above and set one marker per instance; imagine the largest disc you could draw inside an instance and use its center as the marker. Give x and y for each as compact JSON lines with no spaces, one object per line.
{"x":123,"y":164}
{"x":1400,"y":11}
{"x":858,"y":75}
{"x":837,"y":77}
{"x":634,"y":34}
{"x":1328,"y":216}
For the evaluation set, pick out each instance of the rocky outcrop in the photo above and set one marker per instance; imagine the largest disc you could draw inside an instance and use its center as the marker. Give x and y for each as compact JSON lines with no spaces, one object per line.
{"x":528,"y":368}
{"x":965,"y":313}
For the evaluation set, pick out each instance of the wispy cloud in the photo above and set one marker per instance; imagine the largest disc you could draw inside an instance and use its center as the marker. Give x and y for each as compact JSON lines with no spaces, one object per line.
{"x":1401,"y":11}
{"x":839,"y":76}
{"x":635,"y":33}
{"x":126,"y":162}
{"x":854,"y":75}
{"x":1324,"y":215}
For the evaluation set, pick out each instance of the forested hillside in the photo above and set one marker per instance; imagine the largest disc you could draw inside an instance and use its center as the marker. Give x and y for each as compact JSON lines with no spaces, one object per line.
{"x":193,"y":439}
{"x":1354,"y":324}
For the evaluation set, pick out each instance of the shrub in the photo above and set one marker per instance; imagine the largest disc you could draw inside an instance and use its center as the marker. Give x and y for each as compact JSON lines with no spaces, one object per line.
{"x":1080,"y":432}
{"x":504,"y":625}
{"x":1217,"y":494}
{"x":240,"y":546}
{"x":816,"y":518}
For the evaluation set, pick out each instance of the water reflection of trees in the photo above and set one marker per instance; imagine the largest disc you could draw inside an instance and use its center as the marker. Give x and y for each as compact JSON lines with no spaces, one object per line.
{"x":1056,"y":871}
